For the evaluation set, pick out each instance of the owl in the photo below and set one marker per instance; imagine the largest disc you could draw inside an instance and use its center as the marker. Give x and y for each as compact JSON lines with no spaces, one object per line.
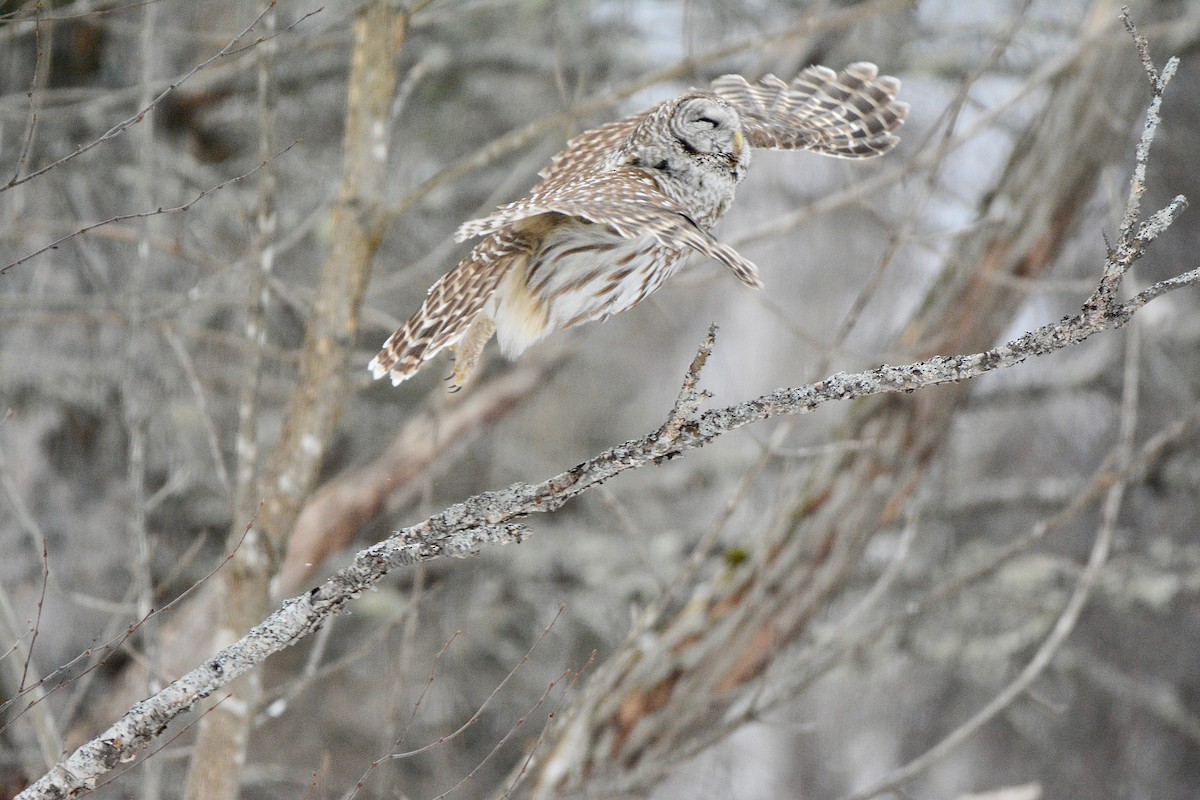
{"x":619,"y":209}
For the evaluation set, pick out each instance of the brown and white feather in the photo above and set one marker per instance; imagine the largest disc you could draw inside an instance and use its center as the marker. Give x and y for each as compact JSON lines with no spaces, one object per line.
{"x":450,"y":306}
{"x":847,"y":114}
{"x":590,"y":150}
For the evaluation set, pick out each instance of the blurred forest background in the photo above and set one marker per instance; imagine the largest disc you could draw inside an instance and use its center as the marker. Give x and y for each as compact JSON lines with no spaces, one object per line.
{"x":886,"y":595}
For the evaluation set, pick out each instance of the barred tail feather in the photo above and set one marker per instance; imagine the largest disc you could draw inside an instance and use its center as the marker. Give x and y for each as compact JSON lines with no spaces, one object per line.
{"x":452,"y":304}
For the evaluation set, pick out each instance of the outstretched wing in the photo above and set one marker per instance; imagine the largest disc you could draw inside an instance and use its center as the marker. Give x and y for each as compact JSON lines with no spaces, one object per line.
{"x":848,"y":114}
{"x":450,"y":306}
{"x":628,"y":201}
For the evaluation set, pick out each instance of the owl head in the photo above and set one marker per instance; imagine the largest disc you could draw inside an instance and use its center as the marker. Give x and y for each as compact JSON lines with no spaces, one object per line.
{"x":704,"y":124}
{"x":694,"y":149}
{"x":690,"y":140}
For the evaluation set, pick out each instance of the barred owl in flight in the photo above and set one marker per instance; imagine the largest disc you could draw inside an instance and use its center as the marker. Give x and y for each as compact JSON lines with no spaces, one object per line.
{"x":621,"y":206}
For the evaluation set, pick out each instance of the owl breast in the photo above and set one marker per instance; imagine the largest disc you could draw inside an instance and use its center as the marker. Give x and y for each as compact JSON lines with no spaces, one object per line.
{"x":581,"y":272}
{"x":711,"y":191}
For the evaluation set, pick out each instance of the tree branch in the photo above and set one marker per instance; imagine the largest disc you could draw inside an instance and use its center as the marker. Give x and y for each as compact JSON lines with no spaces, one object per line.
{"x":488,"y":519}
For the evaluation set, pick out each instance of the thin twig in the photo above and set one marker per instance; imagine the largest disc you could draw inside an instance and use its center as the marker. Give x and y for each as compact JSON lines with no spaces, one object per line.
{"x":210,"y":428}
{"x":471,"y":721}
{"x":126,"y":124}
{"x":31,"y":126}
{"x":47,"y":729}
{"x":142,"y":214}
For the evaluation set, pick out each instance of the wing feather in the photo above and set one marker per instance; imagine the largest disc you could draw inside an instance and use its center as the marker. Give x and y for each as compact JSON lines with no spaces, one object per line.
{"x":592,"y":149}
{"x":847,"y":114}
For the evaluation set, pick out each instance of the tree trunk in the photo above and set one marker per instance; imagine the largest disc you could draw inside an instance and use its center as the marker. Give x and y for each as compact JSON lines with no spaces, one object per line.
{"x":312,"y":414}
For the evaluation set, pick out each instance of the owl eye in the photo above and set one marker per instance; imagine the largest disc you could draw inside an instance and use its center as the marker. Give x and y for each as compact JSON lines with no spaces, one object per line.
{"x":709,"y":121}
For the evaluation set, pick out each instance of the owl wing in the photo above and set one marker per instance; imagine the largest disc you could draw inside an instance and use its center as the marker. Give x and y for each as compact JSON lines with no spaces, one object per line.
{"x":628,"y":201}
{"x":450,"y":306}
{"x":590,"y":150}
{"x":848,"y":114}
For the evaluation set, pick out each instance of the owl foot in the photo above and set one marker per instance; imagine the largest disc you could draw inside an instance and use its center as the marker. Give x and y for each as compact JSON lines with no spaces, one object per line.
{"x":469,"y":348}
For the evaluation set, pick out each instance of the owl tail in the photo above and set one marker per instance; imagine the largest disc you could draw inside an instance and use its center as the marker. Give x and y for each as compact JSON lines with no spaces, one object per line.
{"x":452,"y":314}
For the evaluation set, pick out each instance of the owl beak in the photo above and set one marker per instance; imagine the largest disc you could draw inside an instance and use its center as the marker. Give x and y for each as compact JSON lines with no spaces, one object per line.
{"x":739,"y":141}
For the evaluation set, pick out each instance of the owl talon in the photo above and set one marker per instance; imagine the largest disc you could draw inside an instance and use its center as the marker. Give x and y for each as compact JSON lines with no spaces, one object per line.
{"x":455,"y":380}
{"x":458,"y":378}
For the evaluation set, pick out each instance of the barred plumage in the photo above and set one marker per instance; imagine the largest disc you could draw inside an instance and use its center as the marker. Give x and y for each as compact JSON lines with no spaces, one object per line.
{"x":617,"y":211}
{"x":847,"y":115}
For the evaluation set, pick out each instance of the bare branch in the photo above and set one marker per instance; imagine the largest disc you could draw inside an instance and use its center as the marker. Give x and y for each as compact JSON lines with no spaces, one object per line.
{"x":312,"y":412}
{"x":141,"y":214}
{"x":125,"y":125}
{"x":26,"y":677}
{"x":31,"y":125}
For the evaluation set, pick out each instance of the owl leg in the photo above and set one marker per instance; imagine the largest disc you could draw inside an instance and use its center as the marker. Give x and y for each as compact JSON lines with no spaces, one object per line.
{"x":469,"y":348}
